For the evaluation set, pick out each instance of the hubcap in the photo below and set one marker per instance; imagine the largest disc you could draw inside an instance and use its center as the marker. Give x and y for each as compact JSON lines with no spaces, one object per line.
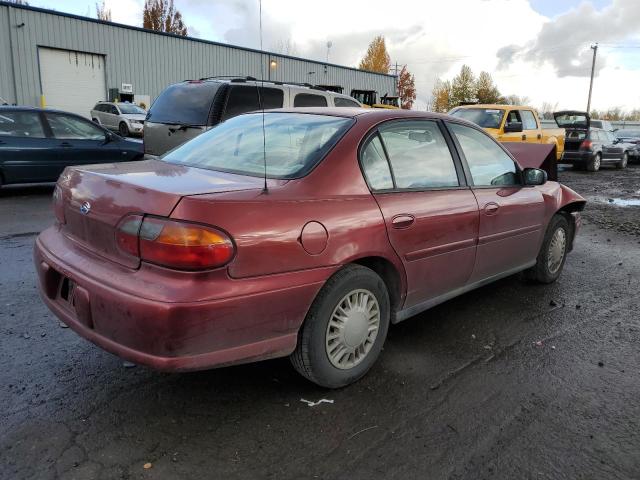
{"x":353,"y":328}
{"x":596,"y":162}
{"x":557,"y":248}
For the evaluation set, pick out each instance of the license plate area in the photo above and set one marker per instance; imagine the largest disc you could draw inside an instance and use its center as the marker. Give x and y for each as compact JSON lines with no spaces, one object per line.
{"x":67,"y":289}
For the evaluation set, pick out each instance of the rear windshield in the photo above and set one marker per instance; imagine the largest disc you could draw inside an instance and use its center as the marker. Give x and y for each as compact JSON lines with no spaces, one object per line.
{"x":293,"y":142}
{"x":184,"y":104}
{"x":571,"y":120}
{"x":483,"y":117}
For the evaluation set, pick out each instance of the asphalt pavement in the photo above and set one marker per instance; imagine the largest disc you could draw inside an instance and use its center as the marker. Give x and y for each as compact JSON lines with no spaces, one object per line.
{"x":511,"y":381}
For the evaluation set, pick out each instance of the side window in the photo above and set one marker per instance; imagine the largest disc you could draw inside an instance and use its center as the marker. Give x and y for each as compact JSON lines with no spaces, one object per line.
{"x":241,"y":99}
{"x":113,"y":110}
{"x":272,"y":97}
{"x":528,"y":120}
{"x":419,"y":155}
{"x":21,"y":124}
{"x":309,"y":100}
{"x":375,"y":166}
{"x":488,"y":163}
{"x":513,"y":116}
{"x":344,"y":102}
{"x":97,"y":107}
{"x":66,"y":127}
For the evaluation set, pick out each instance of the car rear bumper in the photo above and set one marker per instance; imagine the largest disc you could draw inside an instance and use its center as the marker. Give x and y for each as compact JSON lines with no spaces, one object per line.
{"x":261,"y":321}
{"x":576,"y":157}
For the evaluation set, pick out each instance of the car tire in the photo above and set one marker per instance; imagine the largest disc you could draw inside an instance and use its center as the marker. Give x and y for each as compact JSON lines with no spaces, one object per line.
{"x":345,"y":328}
{"x":594,"y":163}
{"x":624,"y":161}
{"x":123,"y":130}
{"x":553,"y":252}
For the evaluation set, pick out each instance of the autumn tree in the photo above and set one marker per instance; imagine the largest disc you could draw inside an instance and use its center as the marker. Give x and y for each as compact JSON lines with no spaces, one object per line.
{"x":441,"y":96}
{"x":162,"y":16}
{"x":486,"y":90}
{"x":102,"y":12}
{"x":377,"y":58}
{"x":406,"y":88}
{"x":463,"y":87}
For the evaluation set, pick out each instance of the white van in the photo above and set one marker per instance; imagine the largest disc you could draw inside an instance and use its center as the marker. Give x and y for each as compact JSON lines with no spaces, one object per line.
{"x":184,"y":110}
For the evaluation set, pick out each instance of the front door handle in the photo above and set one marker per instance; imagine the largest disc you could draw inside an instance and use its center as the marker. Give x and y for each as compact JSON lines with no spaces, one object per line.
{"x":491,"y":208}
{"x":524,"y":137}
{"x":539,"y":136}
{"x":403,"y":221}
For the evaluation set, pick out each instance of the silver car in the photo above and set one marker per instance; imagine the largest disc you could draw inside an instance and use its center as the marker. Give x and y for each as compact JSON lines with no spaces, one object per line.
{"x":122,"y":117}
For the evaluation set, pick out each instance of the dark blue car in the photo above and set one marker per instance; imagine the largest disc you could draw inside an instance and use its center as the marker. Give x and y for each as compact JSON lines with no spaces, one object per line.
{"x":37,"y":144}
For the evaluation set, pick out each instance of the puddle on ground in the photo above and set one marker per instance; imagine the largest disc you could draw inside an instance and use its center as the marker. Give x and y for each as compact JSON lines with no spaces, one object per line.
{"x":622,"y":202}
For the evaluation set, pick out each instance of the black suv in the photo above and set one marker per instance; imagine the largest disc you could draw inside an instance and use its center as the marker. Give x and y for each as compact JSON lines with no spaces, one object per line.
{"x":589,"y":147}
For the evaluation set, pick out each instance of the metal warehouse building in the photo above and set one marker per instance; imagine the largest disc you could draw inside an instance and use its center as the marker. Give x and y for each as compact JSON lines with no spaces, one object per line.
{"x":71,"y":62}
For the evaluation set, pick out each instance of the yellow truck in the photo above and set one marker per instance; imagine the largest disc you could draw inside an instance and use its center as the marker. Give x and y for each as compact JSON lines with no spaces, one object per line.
{"x":512,"y":123}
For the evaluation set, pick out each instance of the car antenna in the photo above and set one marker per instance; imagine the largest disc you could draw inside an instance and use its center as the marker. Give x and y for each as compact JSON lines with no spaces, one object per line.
{"x":261,"y":104}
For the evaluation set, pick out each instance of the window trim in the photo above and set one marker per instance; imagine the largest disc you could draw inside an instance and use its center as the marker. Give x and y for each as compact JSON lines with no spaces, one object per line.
{"x":465,"y":164}
{"x":375,"y":130}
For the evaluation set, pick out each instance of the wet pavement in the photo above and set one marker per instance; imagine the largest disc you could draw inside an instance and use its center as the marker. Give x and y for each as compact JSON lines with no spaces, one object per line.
{"x":510,"y":381}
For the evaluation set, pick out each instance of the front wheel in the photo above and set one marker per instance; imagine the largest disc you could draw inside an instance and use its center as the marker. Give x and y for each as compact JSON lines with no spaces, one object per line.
{"x":622,"y":164}
{"x":594,"y":163}
{"x":123,"y":129}
{"x":553,"y":252}
{"x":345,"y":329}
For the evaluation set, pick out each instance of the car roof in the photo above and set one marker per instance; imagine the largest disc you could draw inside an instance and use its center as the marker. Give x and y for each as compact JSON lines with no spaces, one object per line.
{"x":28,"y":108}
{"x":495,"y":106}
{"x":374,"y":113}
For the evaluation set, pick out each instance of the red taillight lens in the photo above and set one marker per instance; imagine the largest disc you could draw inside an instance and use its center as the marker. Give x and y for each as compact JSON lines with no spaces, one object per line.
{"x":586,"y":144}
{"x":58,"y":204}
{"x":174,"y":244}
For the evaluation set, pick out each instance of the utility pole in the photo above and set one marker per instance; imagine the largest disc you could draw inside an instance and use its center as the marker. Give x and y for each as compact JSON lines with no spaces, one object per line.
{"x":593,"y":68}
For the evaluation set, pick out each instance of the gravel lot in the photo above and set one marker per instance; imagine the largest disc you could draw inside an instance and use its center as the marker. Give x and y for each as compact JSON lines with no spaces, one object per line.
{"x":509,"y":381}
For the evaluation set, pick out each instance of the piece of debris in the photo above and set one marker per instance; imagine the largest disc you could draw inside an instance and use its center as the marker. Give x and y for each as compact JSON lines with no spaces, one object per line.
{"x":26,"y":335}
{"x":553,"y":347}
{"x":578,"y":307}
{"x":539,"y":343}
{"x":487,"y":347}
{"x":363,"y":430}
{"x":147,"y":465}
{"x":473,"y":336}
{"x":128,"y":364}
{"x":63,"y":325}
{"x":553,"y":303}
{"x":313,"y":404}
{"x":601,"y":364}
{"x":43,"y":334}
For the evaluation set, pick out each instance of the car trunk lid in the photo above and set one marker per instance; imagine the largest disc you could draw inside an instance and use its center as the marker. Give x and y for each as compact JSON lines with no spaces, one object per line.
{"x":96,"y":198}
{"x":576,"y":125}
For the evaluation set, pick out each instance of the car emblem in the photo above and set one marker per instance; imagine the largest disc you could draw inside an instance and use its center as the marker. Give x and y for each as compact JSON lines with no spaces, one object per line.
{"x":85,"y":208}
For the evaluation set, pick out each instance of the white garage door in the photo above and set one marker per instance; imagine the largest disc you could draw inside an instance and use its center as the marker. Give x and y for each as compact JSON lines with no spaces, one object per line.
{"x":72,"y":81}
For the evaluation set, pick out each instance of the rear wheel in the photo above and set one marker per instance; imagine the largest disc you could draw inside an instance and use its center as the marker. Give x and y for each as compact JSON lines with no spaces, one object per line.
{"x":123,"y":129}
{"x":594,"y":163}
{"x":344,"y":331}
{"x":623,"y":161}
{"x":553,"y":252}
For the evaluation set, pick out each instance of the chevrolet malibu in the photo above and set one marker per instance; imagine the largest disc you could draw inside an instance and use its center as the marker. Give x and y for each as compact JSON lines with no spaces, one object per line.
{"x":299,"y":233}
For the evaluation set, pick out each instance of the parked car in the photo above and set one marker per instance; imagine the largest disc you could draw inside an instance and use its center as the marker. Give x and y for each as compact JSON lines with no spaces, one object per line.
{"x":36,"y":145}
{"x":186,"y":109}
{"x":588,"y":147}
{"x":364,"y":218}
{"x":122,"y":117}
{"x":632,"y":137}
{"x":603,"y":124}
{"x":512,"y":123}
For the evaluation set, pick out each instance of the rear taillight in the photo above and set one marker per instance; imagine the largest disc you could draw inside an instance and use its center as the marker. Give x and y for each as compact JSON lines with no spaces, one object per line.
{"x":58,"y":204}
{"x":174,"y":244}
{"x":586,"y":144}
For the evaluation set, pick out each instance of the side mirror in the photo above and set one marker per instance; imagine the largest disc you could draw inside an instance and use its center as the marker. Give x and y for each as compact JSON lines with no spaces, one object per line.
{"x":109,"y":137}
{"x":534,"y":176}
{"x":513,"y":127}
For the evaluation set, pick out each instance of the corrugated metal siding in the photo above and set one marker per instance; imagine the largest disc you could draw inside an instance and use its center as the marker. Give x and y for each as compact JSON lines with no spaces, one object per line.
{"x":148,"y":61}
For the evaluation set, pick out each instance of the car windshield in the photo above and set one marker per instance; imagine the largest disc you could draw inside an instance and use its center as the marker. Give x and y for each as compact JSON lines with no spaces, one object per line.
{"x":293,"y":142}
{"x":483,"y":117}
{"x":131,"y":108}
{"x":628,"y":133}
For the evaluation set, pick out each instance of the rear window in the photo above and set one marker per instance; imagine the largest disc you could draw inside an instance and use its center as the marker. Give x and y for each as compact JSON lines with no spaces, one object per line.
{"x":184,"y":104}
{"x":293,"y":142}
{"x":244,"y":99}
{"x":483,"y":117}
{"x":309,"y":100}
{"x":571,"y":120}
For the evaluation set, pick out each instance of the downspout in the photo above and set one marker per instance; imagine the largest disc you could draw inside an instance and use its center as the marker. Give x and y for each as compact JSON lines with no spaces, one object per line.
{"x":13,"y":64}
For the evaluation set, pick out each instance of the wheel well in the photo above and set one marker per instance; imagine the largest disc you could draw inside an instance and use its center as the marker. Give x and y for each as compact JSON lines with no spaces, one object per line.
{"x":566,"y":211}
{"x":389,"y":275}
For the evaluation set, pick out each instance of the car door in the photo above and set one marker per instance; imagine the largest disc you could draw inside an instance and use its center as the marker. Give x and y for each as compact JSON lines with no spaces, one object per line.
{"x":25,"y":148}
{"x":615,"y":148}
{"x":511,"y":215}
{"x":530,"y":131}
{"x":78,"y":141}
{"x":430,"y":214}
{"x":511,"y":117}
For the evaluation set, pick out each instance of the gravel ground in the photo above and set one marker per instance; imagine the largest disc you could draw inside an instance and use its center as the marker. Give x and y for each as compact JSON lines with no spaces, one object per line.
{"x":509,"y":381}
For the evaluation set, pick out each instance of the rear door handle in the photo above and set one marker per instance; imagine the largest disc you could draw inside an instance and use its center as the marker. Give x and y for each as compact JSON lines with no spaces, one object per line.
{"x":524,"y":137}
{"x":491,"y":208}
{"x":403,"y":221}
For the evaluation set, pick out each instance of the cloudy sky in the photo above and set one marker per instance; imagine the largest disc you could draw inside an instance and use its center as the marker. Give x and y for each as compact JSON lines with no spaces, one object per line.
{"x":534,"y":48}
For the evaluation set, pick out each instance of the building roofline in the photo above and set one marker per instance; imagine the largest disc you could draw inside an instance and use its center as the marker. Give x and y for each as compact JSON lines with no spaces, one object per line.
{"x":193,"y":39}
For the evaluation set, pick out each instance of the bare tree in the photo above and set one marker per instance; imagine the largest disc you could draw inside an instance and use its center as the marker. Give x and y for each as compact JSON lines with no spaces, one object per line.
{"x":102,"y":12}
{"x":285,"y":47}
{"x":162,"y":16}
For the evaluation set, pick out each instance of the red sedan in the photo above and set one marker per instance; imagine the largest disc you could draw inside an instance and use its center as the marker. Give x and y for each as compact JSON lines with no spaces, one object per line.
{"x":295,"y":233}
